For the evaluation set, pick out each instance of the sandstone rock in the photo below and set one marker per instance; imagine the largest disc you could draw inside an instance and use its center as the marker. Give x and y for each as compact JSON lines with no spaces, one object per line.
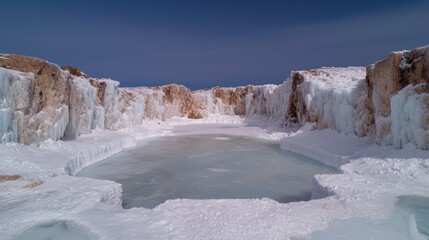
{"x":178,"y":100}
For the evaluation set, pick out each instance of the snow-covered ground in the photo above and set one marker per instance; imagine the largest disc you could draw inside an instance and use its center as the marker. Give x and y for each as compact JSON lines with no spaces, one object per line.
{"x":372,"y":184}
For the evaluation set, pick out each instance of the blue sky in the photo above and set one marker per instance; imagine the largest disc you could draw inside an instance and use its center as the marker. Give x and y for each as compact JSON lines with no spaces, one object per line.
{"x":202,"y":44}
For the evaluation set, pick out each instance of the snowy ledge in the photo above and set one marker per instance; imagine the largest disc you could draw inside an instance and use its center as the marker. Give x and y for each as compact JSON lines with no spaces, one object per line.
{"x":367,"y":188}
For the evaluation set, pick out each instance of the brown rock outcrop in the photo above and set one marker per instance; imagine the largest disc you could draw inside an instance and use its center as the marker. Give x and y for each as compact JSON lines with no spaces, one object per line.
{"x":74,"y":71}
{"x":296,"y":107}
{"x":233,"y":98}
{"x":50,"y":86}
{"x":178,"y":100}
{"x":385,"y":79}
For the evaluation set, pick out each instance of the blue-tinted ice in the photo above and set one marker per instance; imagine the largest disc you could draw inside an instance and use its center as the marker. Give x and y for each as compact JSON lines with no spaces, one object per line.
{"x":418,"y":208}
{"x":53,"y":231}
{"x":409,"y":221}
{"x":208,"y":167}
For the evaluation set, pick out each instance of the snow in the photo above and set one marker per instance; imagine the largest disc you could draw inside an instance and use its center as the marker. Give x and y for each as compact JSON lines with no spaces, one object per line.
{"x":366,"y":189}
{"x":323,"y":145}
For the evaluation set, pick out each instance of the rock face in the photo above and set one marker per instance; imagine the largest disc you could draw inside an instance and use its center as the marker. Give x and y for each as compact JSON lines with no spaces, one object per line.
{"x":178,"y":101}
{"x":41,"y":97}
{"x":388,"y":101}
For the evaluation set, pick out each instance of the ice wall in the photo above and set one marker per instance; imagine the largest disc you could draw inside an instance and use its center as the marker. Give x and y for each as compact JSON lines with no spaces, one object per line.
{"x":112,"y":105}
{"x":329,"y":97}
{"x":8,"y":131}
{"x":83,"y":110}
{"x":410,"y":116}
{"x":261,"y":100}
{"x":134,"y":105}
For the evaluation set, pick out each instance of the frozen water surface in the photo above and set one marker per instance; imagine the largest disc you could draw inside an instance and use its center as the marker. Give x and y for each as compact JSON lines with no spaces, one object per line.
{"x":409,"y":221}
{"x":208,"y":167}
{"x":53,"y":231}
{"x":418,"y":208}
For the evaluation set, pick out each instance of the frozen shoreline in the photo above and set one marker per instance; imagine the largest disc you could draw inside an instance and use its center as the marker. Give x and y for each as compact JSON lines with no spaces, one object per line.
{"x":367,"y":188}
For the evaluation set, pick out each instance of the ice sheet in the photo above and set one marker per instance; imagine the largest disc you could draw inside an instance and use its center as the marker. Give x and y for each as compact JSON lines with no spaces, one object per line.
{"x":208,"y":167}
{"x":409,"y":221}
{"x":53,"y":231}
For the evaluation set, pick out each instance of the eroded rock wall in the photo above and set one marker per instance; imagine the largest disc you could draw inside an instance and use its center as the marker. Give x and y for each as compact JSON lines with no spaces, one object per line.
{"x":40,"y":100}
{"x":388,"y":101}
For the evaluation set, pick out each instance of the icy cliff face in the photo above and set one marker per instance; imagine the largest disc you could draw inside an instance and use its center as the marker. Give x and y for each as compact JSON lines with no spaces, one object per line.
{"x":410,"y":120}
{"x":385,"y":117}
{"x":39,"y":100}
{"x":327,"y":96}
{"x":34,"y":100}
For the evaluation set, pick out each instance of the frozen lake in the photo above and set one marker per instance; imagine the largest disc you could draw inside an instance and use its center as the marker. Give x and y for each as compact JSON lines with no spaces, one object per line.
{"x":208,"y":167}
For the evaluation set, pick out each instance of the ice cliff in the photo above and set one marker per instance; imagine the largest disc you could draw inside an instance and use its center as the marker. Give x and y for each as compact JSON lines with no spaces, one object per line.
{"x":387,"y":102}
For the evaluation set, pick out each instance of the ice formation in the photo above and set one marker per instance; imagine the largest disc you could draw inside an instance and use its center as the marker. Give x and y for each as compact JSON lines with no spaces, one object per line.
{"x":64,"y":103}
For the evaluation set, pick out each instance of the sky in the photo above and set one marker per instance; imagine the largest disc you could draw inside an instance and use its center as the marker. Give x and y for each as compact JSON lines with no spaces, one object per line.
{"x":202,"y":44}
